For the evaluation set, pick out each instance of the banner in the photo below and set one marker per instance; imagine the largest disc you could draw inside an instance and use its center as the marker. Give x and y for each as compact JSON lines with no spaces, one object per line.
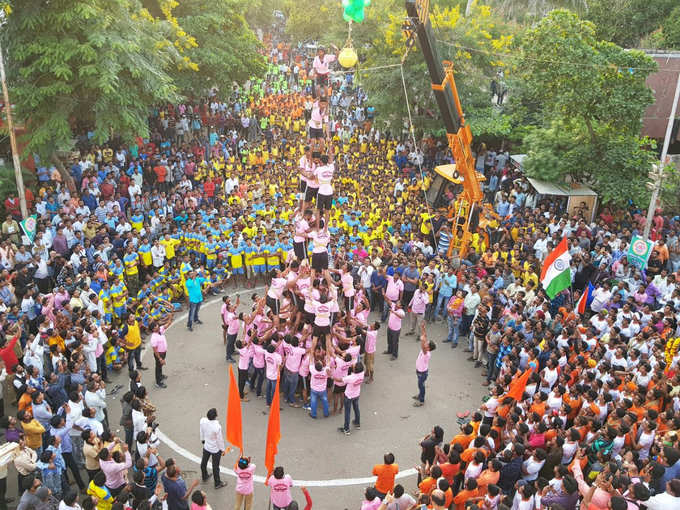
{"x":29,"y":226}
{"x":639,"y":252}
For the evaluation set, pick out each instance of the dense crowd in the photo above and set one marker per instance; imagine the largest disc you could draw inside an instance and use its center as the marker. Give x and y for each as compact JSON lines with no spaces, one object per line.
{"x":338,"y":229}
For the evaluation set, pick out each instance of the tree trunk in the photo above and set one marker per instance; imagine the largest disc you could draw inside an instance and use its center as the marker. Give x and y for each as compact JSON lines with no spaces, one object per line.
{"x":65,"y":175}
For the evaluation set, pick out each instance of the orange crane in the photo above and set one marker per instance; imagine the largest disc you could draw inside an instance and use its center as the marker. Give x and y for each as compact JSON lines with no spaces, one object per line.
{"x":469,"y":203}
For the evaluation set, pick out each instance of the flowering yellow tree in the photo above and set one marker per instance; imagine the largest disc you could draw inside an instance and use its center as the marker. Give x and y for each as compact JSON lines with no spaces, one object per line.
{"x":476,"y":44}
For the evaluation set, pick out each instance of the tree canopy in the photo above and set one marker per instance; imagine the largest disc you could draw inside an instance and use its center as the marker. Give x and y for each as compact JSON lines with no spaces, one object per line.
{"x":96,"y":66}
{"x":584,"y":99}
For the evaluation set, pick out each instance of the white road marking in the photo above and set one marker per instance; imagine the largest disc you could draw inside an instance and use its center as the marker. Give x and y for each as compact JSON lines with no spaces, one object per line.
{"x":337,"y":482}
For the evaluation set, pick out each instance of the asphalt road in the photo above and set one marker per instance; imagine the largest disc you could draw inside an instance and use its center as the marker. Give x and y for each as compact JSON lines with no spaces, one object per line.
{"x":335,"y":467}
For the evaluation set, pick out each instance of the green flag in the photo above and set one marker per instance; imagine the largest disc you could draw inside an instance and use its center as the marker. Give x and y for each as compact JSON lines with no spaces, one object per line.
{"x":639,"y":251}
{"x":29,"y":225}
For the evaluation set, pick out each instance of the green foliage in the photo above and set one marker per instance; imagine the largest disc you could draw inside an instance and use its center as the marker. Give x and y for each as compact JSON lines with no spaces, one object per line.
{"x":227,"y":48}
{"x":671,"y":30}
{"x":95,"y":63}
{"x":260,"y":13}
{"x":586,"y":98}
{"x":626,"y":22}
{"x":474,"y":42}
{"x":8,"y":186}
{"x":670,"y":188}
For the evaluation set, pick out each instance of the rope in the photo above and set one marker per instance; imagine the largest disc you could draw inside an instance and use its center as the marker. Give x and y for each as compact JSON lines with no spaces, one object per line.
{"x":547,"y":61}
{"x":420,"y":167}
{"x":366,"y":69}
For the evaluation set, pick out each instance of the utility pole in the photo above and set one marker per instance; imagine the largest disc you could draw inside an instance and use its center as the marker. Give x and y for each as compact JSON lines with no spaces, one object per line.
{"x":13,"y":140}
{"x":657,"y":175}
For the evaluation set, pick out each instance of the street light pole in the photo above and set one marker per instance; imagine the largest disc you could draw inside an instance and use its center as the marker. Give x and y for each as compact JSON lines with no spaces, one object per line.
{"x":13,"y":140}
{"x":664,"y":153}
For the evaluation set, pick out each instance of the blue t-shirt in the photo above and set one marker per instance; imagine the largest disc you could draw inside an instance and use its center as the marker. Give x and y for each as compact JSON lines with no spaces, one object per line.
{"x":194,"y":289}
{"x":449,"y":283}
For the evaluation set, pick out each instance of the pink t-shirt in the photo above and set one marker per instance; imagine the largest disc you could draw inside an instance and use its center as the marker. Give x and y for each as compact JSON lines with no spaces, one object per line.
{"x":293,"y":357}
{"x":258,"y":356}
{"x":347,"y":284}
{"x":318,"y":117}
{"x":324,"y":174}
{"x":276,"y":288}
{"x":318,"y":378}
{"x":304,"y":365}
{"x":395,"y":319}
{"x":158,"y":340}
{"x":321,"y":65}
{"x":423,"y":361}
{"x":320,"y":240}
{"x":363,"y":316}
{"x":371,"y":341}
{"x":354,"y":352}
{"x":280,"y":491}
{"x":419,"y":301}
{"x":301,"y":229}
{"x":322,"y":313}
{"x":340,"y":370}
{"x":273,"y":362}
{"x":394,"y":287}
{"x":353,"y":384}
{"x":371,"y":505}
{"x":233,"y":323}
{"x":244,"y":479}
{"x":244,"y":355}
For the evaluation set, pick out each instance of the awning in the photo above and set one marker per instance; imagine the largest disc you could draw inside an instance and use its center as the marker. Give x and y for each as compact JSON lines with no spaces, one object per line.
{"x":548,"y":188}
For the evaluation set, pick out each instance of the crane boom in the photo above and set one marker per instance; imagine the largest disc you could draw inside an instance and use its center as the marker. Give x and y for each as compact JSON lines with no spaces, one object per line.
{"x":458,"y":131}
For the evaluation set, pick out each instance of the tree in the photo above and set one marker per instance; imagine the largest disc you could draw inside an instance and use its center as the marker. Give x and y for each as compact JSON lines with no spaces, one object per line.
{"x":227,"y":50}
{"x":471,"y":43}
{"x":585,"y":98}
{"x":671,"y":30}
{"x":86,"y":65}
{"x":626,"y":22}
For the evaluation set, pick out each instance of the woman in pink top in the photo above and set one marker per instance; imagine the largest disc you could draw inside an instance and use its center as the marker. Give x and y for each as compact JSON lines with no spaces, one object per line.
{"x":422,"y":365}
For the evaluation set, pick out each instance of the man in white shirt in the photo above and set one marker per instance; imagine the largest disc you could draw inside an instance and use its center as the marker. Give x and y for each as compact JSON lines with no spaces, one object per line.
{"x":212,"y":439}
{"x":669,"y":500}
{"x":157,"y":254}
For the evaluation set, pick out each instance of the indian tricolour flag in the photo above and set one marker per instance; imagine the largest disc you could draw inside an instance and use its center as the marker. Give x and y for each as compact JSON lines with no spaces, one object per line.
{"x":556,"y":275}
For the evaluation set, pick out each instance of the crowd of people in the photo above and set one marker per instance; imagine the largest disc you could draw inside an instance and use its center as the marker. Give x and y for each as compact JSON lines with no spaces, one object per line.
{"x":338,"y":230}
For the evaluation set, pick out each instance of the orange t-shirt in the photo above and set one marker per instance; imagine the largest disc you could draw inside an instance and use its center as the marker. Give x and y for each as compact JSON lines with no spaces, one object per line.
{"x":462,"y":439}
{"x":449,"y":498}
{"x":463,"y":496}
{"x":449,"y":471}
{"x":486,"y":478}
{"x":427,"y":485}
{"x":385,"y":474}
{"x":538,"y":408}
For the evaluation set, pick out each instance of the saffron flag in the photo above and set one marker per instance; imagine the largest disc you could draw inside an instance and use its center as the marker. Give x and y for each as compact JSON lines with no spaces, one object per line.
{"x":273,"y":432}
{"x":518,"y":385}
{"x":234,"y":425}
{"x":585,"y":299}
{"x":556,"y":273}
